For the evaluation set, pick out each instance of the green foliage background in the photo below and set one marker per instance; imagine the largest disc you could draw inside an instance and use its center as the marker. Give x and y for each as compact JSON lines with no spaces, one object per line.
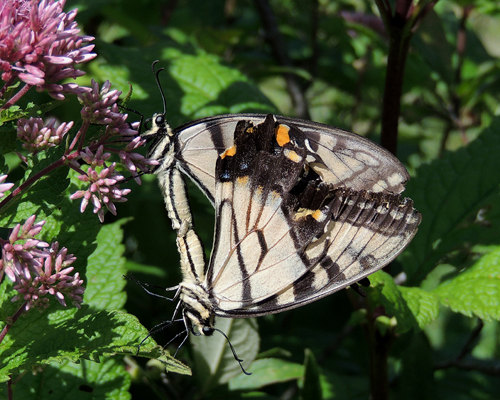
{"x":438,"y":320}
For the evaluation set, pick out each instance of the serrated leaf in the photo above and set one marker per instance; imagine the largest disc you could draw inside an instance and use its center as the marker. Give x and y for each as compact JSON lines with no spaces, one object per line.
{"x":211,"y":88}
{"x":106,"y":268}
{"x":32,"y":110}
{"x":393,"y":301}
{"x":215,"y":363}
{"x":476,"y":291}
{"x":311,"y":388}
{"x":423,"y":305}
{"x":447,"y":192}
{"x":104,"y":380}
{"x":58,"y":335}
{"x":267,"y":372}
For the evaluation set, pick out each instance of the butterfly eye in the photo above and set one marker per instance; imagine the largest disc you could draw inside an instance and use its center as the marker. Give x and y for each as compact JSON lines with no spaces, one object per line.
{"x":208,"y":331}
{"x":160,"y":120}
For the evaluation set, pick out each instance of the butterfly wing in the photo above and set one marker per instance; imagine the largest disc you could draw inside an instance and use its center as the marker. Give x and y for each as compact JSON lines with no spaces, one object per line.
{"x":285,"y":237}
{"x":342,"y":158}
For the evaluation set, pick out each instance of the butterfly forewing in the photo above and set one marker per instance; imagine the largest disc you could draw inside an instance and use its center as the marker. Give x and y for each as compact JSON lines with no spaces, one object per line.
{"x":342,"y":158}
{"x":285,"y":236}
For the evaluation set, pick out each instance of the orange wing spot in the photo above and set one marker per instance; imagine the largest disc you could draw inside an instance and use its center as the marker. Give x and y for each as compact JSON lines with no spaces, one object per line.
{"x":293,"y":156}
{"x":317,"y":215}
{"x":250,"y":129}
{"x":282,"y":136}
{"x":242,"y":180}
{"x":229,"y":152}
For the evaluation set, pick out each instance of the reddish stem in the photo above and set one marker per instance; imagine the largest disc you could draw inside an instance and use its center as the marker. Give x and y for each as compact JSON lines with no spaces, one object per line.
{"x":14,"y":318}
{"x":56,"y":164}
{"x":16,"y":97}
{"x":7,"y":84}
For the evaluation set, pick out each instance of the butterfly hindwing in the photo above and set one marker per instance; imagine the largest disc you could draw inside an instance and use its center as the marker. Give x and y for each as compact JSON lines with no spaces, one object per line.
{"x":285,"y":237}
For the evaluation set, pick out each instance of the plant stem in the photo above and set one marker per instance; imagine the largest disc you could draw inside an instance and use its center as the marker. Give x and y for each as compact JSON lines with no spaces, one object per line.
{"x":6,"y":86}
{"x":33,"y":179}
{"x":13,"y":319}
{"x":379,"y":346}
{"x":391,"y":106}
{"x":59,"y":163}
{"x":80,"y":136}
{"x":16,"y":97}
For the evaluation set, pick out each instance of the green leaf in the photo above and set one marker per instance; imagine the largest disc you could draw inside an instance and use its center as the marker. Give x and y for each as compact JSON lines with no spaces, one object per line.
{"x":215,"y":363}
{"x":59,"y":334}
{"x":195,"y":84}
{"x":106,"y":268}
{"x":211,"y":88}
{"x":311,"y":388}
{"x":105,"y":380}
{"x":412,"y":306}
{"x":447,"y":192}
{"x":475,"y":291}
{"x":393,"y":301}
{"x":73,"y":230}
{"x":423,"y":305}
{"x":32,"y":110}
{"x":267,"y":372}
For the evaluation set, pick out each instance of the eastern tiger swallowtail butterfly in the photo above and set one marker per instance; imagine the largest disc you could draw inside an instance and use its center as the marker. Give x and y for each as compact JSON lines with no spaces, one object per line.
{"x":302,"y":210}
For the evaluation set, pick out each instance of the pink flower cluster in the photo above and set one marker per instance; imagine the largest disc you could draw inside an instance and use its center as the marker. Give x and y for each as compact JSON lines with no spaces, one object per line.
{"x":39,"y":44}
{"x":102,"y":182}
{"x":39,"y":269}
{"x":100,"y":107}
{"x":38,"y":137}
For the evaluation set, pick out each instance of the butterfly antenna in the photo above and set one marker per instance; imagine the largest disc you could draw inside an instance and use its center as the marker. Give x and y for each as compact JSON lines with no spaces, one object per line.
{"x":159,"y":85}
{"x":234,"y":352}
{"x":145,"y":285}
